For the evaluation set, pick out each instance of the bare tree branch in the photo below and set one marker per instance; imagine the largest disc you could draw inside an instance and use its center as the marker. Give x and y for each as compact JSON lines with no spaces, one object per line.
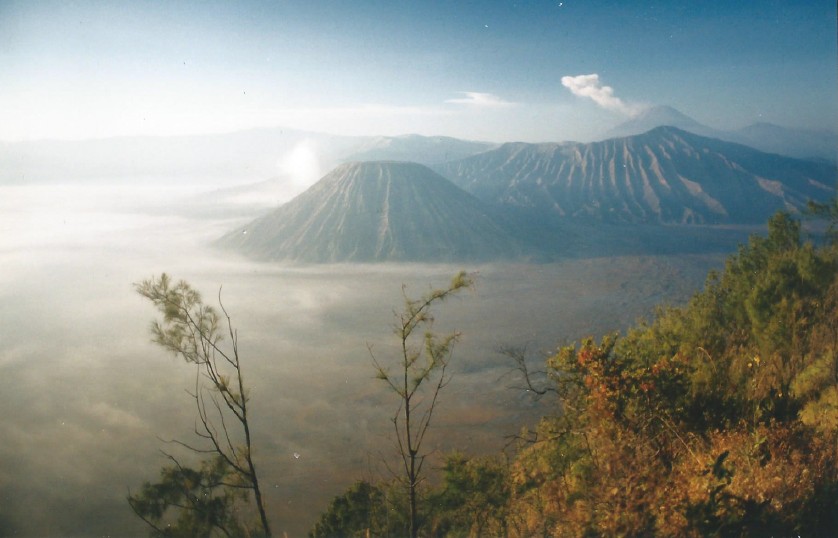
{"x":518,"y":355}
{"x":419,"y":366}
{"x":190,"y":329}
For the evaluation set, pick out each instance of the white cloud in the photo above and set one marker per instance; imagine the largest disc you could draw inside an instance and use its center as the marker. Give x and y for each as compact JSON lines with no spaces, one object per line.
{"x":590,"y":86}
{"x":480,"y":99}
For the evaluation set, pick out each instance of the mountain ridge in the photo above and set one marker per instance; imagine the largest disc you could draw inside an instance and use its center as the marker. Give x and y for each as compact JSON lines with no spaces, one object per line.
{"x":666,"y":175}
{"x":536,"y":201}
{"x":250,"y":155}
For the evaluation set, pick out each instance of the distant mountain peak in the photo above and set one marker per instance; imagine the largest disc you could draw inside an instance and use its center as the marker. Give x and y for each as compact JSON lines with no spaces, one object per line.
{"x":665,"y":114}
{"x":657,"y":116}
{"x":764,"y":136}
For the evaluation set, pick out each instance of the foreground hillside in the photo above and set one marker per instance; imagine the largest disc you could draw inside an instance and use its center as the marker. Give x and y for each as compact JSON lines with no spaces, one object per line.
{"x":716,"y":419}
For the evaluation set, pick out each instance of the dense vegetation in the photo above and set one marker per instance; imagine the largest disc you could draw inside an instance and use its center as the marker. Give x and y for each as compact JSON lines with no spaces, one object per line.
{"x":719,"y":418}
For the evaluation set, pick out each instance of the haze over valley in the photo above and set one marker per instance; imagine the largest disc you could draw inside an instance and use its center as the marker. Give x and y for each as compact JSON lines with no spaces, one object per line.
{"x":313,"y":165}
{"x":91,"y":394}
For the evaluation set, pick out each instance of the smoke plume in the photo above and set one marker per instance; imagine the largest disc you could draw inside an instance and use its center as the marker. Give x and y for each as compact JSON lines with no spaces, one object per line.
{"x":590,"y":86}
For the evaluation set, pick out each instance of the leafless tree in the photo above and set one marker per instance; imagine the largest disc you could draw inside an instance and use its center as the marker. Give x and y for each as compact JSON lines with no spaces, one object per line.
{"x":418,"y":378}
{"x":195,"y":332}
{"x":518,"y":356}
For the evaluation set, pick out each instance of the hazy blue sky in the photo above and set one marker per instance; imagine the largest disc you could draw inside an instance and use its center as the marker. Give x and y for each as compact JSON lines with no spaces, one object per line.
{"x":475,"y":69}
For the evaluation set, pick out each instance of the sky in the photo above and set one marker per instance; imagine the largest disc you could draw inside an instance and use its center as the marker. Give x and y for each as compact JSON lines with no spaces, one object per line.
{"x":484,"y":70}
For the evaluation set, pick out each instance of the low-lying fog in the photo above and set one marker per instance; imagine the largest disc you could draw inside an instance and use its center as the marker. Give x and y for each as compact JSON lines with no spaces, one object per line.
{"x":86,"y":395}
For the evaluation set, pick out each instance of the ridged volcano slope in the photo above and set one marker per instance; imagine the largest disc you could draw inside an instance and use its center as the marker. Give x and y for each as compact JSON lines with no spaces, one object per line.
{"x":665,"y":175}
{"x":376,"y":211}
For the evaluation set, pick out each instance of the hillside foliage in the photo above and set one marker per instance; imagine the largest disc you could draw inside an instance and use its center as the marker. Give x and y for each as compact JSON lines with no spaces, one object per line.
{"x":718,"y":418}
